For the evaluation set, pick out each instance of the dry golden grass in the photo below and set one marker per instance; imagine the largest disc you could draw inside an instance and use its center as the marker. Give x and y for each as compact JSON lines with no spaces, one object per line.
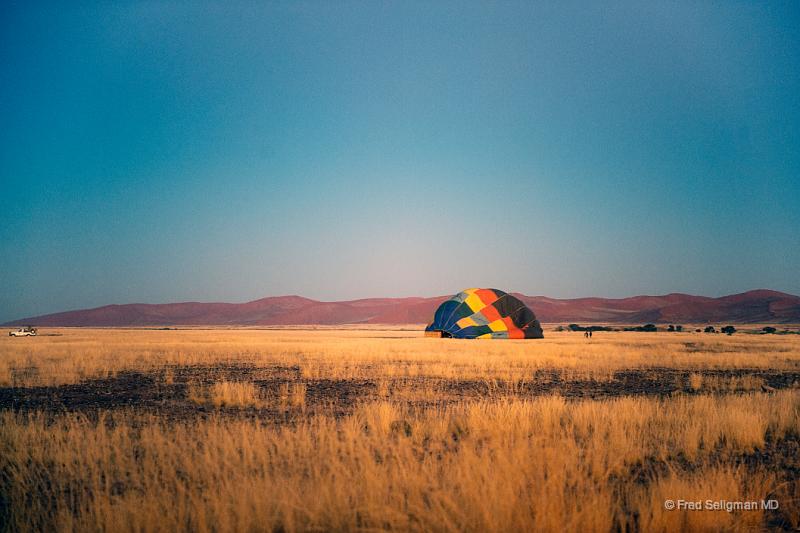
{"x":226,"y":394}
{"x":504,"y":465}
{"x":293,"y":394}
{"x":381,"y":354}
{"x":408,"y":449}
{"x":725,"y":484}
{"x":719,"y":384}
{"x":695,"y":381}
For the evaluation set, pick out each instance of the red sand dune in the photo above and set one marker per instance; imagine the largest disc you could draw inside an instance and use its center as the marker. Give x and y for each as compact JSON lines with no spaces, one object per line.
{"x":758,"y":306}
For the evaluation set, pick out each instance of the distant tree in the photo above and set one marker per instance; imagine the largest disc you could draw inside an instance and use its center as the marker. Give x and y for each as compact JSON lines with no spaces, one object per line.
{"x":575,"y":327}
{"x":730,"y":330}
{"x":559,"y":328}
{"x":670,"y":328}
{"x":769,"y":329}
{"x":710,"y":329}
{"x":646,"y":327}
{"x":698,"y":330}
{"x":679,"y":328}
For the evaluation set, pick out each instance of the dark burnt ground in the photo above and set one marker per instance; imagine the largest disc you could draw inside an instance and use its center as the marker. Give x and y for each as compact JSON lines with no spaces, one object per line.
{"x":166,"y":392}
{"x":151,"y":393}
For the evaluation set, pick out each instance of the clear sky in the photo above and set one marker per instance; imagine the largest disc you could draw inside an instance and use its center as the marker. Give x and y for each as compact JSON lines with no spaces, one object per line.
{"x":157,"y":151}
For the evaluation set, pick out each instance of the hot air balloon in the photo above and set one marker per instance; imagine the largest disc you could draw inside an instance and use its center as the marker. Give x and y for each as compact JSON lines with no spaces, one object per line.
{"x":484,"y":314}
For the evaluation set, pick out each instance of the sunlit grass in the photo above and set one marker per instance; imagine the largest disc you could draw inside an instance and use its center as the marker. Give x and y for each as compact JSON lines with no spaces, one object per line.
{"x":500,"y":465}
{"x":226,"y":394}
{"x":408,"y":449}
{"x":376,"y":354}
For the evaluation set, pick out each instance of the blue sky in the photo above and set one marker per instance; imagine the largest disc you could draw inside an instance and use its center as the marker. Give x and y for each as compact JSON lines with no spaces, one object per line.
{"x":157,"y":151}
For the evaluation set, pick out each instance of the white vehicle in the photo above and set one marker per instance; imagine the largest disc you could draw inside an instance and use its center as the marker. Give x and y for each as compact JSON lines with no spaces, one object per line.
{"x":27,"y":331}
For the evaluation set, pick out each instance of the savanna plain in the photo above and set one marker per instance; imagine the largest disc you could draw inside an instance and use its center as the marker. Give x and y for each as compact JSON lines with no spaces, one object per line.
{"x":383,"y":429}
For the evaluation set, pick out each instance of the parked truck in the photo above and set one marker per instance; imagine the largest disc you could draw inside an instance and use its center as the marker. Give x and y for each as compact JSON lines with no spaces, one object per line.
{"x":27,"y":331}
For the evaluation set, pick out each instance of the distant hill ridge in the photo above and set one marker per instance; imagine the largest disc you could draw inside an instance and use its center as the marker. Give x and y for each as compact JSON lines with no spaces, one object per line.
{"x":755,"y":306}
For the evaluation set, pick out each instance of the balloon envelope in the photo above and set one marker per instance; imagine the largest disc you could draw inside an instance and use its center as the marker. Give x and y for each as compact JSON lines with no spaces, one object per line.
{"x":485,"y":314}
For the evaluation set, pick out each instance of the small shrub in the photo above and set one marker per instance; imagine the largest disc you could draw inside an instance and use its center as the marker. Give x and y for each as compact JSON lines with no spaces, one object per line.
{"x":647,"y":327}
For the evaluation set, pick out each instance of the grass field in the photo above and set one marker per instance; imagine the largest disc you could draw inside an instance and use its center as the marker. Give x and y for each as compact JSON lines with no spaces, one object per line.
{"x":365,"y":429}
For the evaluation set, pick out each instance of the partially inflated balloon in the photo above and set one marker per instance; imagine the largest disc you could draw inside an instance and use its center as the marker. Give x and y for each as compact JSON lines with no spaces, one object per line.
{"x":484,"y":314}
